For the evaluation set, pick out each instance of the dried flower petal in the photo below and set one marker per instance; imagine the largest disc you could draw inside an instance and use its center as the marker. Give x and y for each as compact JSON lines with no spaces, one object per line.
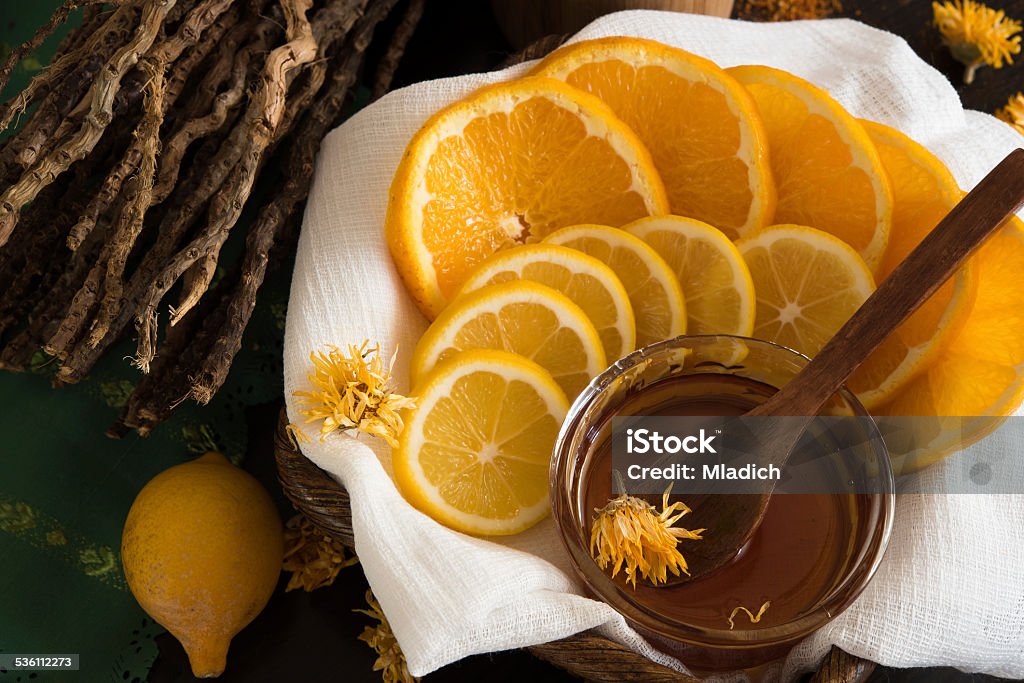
{"x":352,"y":392}
{"x":976,"y":34}
{"x":753,"y":618}
{"x":313,"y":557}
{"x":789,"y":10}
{"x":632,"y":532}
{"x":390,"y":660}
{"x":1013,"y":112}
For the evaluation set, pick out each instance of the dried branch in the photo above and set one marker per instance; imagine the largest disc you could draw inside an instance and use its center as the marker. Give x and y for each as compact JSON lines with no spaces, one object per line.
{"x":25,"y":264}
{"x":44,"y":32}
{"x":130,"y":221}
{"x":167,"y":114}
{"x":93,"y":17}
{"x":198,"y":20}
{"x":396,"y":48}
{"x":59,"y":68}
{"x":190,"y":199}
{"x":100,"y":113}
{"x":51,"y":308}
{"x":224,"y":102}
{"x":169,"y":384}
{"x":39,"y":135}
{"x":189,"y":31}
{"x":261,"y":121}
{"x":299,"y":172}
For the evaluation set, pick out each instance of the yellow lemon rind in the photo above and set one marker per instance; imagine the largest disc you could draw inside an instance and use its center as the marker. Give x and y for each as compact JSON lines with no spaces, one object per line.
{"x":576,"y":262}
{"x":439,"y":336}
{"x":660,"y":271}
{"x":409,"y":475}
{"x":742,"y":283}
{"x":957,"y":312}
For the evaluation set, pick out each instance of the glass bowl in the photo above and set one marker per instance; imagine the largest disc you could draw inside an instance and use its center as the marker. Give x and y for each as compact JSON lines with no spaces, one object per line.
{"x":698,"y":645}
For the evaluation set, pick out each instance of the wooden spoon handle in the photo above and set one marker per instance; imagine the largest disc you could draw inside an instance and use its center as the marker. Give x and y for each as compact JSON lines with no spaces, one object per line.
{"x":999,"y":195}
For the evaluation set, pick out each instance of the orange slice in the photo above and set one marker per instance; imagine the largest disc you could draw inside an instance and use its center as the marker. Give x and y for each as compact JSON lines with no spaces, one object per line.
{"x":510,"y":163}
{"x":827,"y":173}
{"x":979,"y":375}
{"x":924,"y":191}
{"x":700,"y":125}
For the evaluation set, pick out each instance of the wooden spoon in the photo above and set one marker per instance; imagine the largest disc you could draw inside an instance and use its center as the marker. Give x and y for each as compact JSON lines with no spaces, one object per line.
{"x":999,"y":195}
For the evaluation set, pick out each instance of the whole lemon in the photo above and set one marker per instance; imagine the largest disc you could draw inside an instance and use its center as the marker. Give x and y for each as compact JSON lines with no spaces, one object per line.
{"x":202,"y":550}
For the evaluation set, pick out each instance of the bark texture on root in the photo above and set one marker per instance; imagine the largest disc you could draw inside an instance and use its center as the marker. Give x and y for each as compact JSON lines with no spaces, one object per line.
{"x":157,"y":126}
{"x":388,"y":64}
{"x":95,"y":121}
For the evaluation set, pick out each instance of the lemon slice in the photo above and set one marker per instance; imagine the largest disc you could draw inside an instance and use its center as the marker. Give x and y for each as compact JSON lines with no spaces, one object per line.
{"x":700,"y":125}
{"x":652,"y":287}
{"x":475,"y":451}
{"x":521,"y":317}
{"x":511,"y":162}
{"x":827,"y":172}
{"x":589,"y":283}
{"x":808,"y":285}
{"x":715,"y":282}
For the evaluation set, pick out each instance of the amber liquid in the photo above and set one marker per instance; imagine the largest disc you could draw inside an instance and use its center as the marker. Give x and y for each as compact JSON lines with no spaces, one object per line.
{"x":803,"y":546}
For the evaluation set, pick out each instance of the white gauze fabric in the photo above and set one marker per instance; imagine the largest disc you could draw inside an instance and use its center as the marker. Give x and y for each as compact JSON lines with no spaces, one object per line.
{"x":950,"y":589}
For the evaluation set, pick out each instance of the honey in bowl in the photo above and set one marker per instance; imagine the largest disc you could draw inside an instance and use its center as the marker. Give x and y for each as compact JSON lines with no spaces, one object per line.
{"x":810,"y":556}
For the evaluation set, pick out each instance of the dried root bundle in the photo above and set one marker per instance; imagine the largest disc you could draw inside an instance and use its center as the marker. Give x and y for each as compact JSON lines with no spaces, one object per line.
{"x":136,"y":153}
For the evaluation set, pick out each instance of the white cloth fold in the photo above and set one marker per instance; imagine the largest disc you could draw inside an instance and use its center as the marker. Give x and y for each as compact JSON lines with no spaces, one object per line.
{"x":951,"y":588}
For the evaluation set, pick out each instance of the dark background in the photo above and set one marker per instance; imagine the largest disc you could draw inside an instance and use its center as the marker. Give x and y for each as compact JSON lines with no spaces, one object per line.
{"x":313,"y":636}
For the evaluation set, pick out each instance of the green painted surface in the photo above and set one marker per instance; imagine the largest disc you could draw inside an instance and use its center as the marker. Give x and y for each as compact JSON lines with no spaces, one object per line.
{"x":65,"y":488}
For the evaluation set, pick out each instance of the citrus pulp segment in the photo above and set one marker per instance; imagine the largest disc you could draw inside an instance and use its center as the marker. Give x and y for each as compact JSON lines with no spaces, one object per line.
{"x":827,"y":172}
{"x":654,"y":292}
{"x":475,"y":451}
{"x":590,"y":284}
{"x":521,"y":317}
{"x":711,"y":272}
{"x":701,"y":127}
{"x":808,"y":284}
{"x":509,"y":163}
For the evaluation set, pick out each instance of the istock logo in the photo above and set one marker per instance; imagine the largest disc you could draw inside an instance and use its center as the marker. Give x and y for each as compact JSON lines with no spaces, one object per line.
{"x":647,"y":441}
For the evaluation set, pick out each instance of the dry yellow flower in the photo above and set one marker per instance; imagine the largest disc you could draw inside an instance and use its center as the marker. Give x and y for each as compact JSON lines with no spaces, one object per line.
{"x":632,"y":532}
{"x":754,"y":618}
{"x":976,"y":34}
{"x":1013,"y":112}
{"x":313,"y":557}
{"x":352,"y":392}
{"x":390,"y":660}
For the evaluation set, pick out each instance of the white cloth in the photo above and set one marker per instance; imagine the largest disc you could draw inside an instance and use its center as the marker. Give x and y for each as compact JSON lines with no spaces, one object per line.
{"x":950,"y":589}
